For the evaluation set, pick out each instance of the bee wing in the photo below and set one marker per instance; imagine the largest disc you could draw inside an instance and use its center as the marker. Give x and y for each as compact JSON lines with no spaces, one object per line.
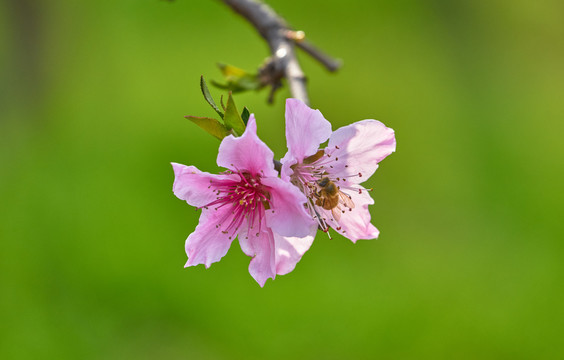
{"x":346,"y":199}
{"x":336,"y":213}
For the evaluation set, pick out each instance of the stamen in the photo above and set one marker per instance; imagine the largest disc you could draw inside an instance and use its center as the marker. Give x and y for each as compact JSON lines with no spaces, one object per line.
{"x":244,"y":198}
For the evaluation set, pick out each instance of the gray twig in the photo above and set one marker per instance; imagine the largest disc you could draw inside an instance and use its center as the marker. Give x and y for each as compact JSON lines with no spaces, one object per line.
{"x":283,"y":63}
{"x":325,"y":60}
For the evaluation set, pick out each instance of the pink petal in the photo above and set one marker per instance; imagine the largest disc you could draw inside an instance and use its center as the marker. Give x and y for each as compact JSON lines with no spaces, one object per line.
{"x":195,"y":186}
{"x":260,"y":246}
{"x":287,"y":161}
{"x":207,"y":244}
{"x":287,"y":215}
{"x":360,"y":146}
{"x":356,"y":223}
{"x":247,"y":152}
{"x":305,"y":129}
{"x":289,"y":251}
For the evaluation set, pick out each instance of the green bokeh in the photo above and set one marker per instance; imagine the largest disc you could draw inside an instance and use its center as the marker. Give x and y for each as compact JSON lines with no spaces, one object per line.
{"x":469,"y":261}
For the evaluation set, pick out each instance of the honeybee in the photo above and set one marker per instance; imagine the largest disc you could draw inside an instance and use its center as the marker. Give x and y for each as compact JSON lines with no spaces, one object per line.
{"x":329,"y":196}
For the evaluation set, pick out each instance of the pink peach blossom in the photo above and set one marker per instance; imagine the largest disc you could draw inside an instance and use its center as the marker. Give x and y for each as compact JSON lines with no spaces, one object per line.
{"x":249,"y":201}
{"x":331,"y":177}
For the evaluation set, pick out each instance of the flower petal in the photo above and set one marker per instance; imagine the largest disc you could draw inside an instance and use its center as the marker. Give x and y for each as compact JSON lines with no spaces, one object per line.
{"x":355,"y":224}
{"x":247,"y":152}
{"x":359,"y":148}
{"x":195,"y":186}
{"x":287,"y":215}
{"x":306,"y":129}
{"x":260,"y":246}
{"x":287,"y":161}
{"x":208,"y":244}
{"x":289,"y":251}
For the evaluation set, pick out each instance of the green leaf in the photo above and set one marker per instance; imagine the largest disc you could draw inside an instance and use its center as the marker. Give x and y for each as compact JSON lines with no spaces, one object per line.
{"x":230,"y":70}
{"x":211,"y":126}
{"x":232,"y":118}
{"x":238,"y":79}
{"x":245,"y":115}
{"x":208,"y":96}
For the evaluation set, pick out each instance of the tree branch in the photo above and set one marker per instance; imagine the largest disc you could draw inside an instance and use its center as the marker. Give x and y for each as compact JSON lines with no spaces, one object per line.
{"x":280,"y":39}
{"x":325,"y":60}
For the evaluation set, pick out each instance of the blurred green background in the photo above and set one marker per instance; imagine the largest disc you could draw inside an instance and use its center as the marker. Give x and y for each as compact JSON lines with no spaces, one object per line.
{"x":469,"y":261}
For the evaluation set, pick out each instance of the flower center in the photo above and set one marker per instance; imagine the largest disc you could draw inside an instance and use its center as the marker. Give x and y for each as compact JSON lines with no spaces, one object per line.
{"x":316,"y":178}
{"x":245,"y":199}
